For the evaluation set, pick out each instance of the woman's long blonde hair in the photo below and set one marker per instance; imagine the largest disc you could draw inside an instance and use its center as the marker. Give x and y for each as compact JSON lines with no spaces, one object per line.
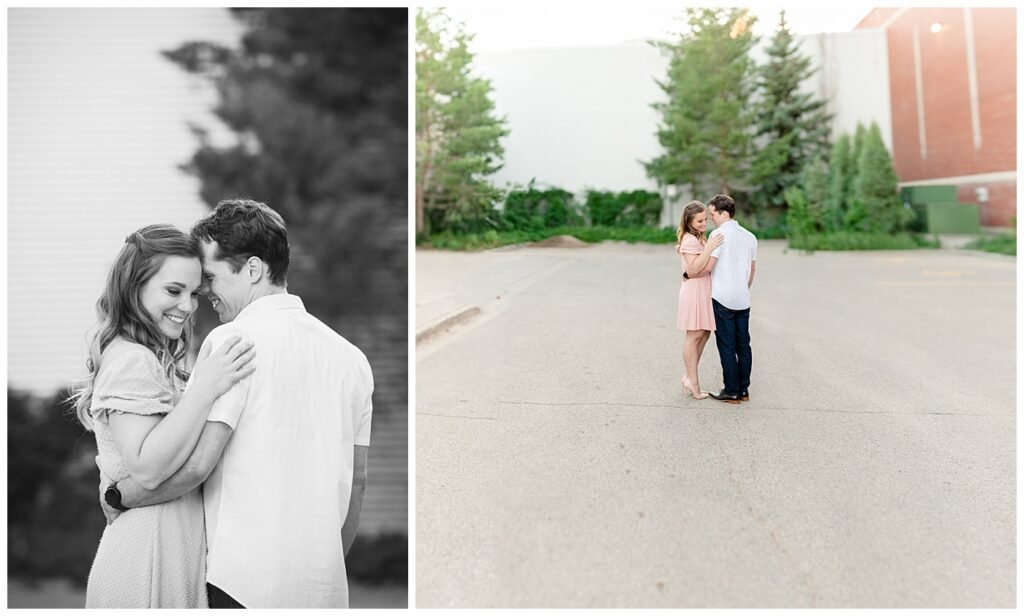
{"x":120,"y":311}
{"x":689,"y":212}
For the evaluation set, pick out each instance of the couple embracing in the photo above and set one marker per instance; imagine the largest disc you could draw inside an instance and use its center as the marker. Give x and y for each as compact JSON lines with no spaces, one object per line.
{"x":715,"y":295}
{"x":238,"y":481}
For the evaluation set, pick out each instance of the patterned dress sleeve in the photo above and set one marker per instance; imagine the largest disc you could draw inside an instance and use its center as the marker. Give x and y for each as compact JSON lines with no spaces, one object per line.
{"x":130,"y":380}
{"x":691,"y":245}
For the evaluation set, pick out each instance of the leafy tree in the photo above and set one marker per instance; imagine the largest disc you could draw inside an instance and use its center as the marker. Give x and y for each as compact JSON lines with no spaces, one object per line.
{"x":793,"y":126}
{"x":317,"y":101}
{"x":876,"y":206}
{"x":842,"y":170}
{"x":705,"y":130}
{"x":317,"y":104}
{"x":458,"y":137}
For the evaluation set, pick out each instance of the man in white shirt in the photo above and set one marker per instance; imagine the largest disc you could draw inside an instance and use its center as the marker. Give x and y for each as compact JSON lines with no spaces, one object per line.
{"x":283,"y":453}
{"x":733,"y":265}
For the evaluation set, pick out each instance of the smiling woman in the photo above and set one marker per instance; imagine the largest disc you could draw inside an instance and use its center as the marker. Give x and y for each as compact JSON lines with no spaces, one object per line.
{"x":155,"y":557}
{"x":169,"y":302}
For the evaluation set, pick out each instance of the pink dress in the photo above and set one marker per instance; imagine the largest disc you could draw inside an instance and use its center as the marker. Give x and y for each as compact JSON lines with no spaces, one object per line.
{"x":695,"y":311}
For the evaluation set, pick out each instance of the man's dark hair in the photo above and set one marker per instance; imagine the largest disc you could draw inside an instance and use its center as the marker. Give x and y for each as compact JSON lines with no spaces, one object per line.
{"x":723,"y":203}
{"x":245,"y":228}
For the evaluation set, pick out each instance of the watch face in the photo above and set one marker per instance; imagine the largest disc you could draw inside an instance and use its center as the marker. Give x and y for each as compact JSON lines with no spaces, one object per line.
{"x":112,"y":496}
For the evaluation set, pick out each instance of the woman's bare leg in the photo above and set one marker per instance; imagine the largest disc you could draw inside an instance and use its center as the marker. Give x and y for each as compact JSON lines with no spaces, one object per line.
{"x":691,"y":355}
{"x":705,"y":335}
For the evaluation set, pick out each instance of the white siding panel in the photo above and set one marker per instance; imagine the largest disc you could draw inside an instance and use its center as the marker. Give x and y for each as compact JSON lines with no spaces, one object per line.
{"x":96,"y":128}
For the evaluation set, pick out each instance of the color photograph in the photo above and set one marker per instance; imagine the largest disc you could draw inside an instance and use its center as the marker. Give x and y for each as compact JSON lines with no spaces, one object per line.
{"x":715,"y":307}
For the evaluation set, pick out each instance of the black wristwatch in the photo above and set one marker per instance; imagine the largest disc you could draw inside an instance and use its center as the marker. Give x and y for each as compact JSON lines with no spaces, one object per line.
{"x":113,"y":497}
{"x":686,"y":276}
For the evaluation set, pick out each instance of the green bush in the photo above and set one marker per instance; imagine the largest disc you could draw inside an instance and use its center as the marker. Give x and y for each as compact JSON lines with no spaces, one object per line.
{"x":484,"y":241}
{"x":533,"y":209}
{"x":637,"y":208}
{"x":769,"y":233}
{"x":1004,"y":243}
{"x":848,"y":240}
{"x":54,"y":521}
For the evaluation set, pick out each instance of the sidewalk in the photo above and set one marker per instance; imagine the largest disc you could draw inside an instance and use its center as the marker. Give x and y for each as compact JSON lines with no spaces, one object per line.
{"x":453,"y":287}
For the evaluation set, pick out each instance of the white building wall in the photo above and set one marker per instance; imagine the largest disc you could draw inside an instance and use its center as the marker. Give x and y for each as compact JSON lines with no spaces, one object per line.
{"x":581,"y":118}
{"x":97,"y":124}
{"x":853,"y":78}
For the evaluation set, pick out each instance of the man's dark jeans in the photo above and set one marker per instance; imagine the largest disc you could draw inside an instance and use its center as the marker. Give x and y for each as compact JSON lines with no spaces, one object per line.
{"x":732,"y":335}
{"x":220,"y":599}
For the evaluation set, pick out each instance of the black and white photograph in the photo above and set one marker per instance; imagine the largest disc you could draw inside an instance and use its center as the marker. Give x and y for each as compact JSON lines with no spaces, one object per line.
{"x":207,"y":314}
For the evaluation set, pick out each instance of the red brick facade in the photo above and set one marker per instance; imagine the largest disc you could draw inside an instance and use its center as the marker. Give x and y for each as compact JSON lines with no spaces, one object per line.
{"x":953,"y":144}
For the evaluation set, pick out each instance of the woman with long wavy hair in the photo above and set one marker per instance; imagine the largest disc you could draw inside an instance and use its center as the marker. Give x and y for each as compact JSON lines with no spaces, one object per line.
{"x":146,"y":425}
{"x":696,"y":316}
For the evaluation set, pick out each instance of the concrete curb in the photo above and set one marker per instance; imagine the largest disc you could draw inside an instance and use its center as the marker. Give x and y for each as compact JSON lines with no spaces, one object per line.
{"x":460,"y":315}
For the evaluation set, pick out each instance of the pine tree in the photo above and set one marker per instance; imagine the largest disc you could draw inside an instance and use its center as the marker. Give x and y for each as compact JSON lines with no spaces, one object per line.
{"x":458,"y":137}
{"x":705,"y":130}
{"x":840,"y":178}
{"x":806,"y":199}
{"x":876,"y":204}
{"x":793,"y":126}
{"x":318,"y":102}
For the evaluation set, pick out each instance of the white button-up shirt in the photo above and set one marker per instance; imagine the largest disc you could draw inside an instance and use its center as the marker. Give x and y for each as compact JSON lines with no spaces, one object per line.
{"x":731,"y":274}
{"x":276,"y":501}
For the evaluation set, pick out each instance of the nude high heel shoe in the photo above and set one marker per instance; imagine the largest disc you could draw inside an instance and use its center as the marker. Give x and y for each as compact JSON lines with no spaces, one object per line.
{"x":688,"y":388}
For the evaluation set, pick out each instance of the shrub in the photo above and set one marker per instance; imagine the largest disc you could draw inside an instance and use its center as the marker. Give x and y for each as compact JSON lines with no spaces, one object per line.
{"x":484,"y":241}
{"x":637,"y":208}
{"x":875,"y":206}
{"x":1003,"y":243}
{"x":847,"y":240}
{"x":539,"y":209}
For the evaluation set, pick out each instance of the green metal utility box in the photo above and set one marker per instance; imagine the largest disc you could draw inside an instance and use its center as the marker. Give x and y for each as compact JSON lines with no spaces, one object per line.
{"x":948,"y":217}
{"x":939,"y":212}
{"x":928,"y":194}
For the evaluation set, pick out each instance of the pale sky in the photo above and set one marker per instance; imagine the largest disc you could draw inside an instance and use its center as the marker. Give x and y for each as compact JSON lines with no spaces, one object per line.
{"x":528,"y":25}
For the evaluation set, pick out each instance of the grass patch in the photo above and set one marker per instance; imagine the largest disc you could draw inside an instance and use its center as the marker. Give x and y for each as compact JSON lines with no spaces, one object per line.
{"x":593,"y":235}
{"x":1004,"y":244}
{"x":847,"y":240}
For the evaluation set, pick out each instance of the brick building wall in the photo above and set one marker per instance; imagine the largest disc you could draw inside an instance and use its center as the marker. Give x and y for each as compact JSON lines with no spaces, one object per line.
{"x":952,"y":77}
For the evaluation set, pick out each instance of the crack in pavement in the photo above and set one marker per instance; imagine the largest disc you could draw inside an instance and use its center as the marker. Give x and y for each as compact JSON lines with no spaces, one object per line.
{"x":455,"y":416}
{"x":760,"y":408}
{"x":805,"y":579}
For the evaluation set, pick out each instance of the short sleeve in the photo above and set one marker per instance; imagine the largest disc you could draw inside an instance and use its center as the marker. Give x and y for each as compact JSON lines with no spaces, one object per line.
{"x":228,"y":407}
{"x":717,"y":252}
{"x":130,"y":379}
{"x":363,"y":415}
{"x":690,"y":245}
{"x":753,"y":252}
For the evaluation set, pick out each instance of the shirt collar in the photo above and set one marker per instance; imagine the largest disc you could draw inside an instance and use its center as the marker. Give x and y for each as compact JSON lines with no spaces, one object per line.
{"x":731,"y":220}
{"x":276,"y":301}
